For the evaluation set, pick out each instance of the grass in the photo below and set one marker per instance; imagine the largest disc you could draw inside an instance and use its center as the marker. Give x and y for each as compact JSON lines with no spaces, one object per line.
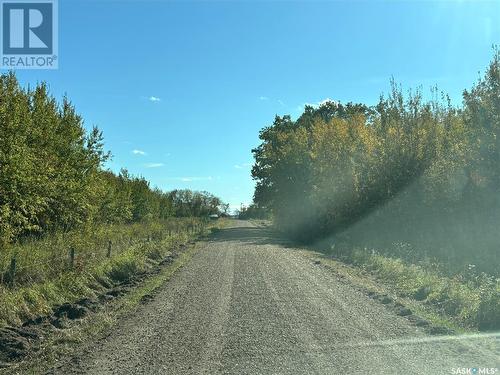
{"x":63,"y":343}
{"x":45,"y":277}
{"x":134,"y":259}
{"x":470,"y":300}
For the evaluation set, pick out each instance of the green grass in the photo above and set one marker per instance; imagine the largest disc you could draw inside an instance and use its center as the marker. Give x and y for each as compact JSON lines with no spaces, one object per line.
{"x":470,"y":299}
{"x":45,"y":278}
{"x":136,"y":258}
{"x":63,"y":343}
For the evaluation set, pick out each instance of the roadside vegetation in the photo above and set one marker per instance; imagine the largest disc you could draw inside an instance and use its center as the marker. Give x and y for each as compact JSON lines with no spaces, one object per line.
{"x":47,"y":276}
{"x":467,"y":300}
{"x":408,"y":188}
{"x":253,"y":211}
{"x":66,"y":223}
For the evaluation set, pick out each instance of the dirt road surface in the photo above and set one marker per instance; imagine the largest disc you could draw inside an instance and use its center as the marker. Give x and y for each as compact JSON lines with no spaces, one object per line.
{"x":246,"y":304}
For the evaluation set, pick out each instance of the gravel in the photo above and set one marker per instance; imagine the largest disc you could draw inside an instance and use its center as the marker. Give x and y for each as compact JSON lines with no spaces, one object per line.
{"x":245,"y":304}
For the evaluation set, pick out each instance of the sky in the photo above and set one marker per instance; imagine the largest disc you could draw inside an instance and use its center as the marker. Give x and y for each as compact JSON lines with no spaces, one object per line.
{"x":181,"y":89}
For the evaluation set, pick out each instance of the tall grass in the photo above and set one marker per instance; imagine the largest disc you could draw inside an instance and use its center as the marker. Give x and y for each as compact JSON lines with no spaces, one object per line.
{"x":470,"y":298}
{"x":45,"y":277}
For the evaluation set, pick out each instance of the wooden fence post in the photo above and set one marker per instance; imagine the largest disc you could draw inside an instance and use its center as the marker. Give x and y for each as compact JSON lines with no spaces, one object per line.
{"x":110,"y":244}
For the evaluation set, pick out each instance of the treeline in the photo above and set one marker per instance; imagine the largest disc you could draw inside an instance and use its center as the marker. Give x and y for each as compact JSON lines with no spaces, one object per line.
{"x":52,"y":176}
{"x":417,"y":178}
{"x":253,"y":211}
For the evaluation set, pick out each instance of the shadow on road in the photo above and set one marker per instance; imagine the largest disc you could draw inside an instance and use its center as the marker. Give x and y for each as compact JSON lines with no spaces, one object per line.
{"x":252,"y":235}
{"x":269,"y":236}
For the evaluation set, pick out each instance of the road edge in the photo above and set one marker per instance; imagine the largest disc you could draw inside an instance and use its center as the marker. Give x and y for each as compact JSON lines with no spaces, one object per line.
{"x":60,"y":346}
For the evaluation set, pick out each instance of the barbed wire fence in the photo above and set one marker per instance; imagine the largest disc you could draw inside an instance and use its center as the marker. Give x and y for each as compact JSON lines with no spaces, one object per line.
{"x":13,"y":266}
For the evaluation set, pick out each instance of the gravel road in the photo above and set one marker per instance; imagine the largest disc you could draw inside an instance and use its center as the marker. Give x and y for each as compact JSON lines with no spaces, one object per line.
{"x":245,"y":304}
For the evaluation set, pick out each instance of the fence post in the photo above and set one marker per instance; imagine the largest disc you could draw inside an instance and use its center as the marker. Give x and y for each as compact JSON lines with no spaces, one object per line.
{"x":72,"y":257}
{"x":13,"y":262}
{"x":110,"y":244}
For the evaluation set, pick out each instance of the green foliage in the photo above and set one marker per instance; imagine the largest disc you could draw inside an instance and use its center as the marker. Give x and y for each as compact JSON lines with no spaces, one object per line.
{"x":48,"y":164}
{"x":45,"y":277}
{"x":123,"y":267}
{"x":253,"y":212}
{"x":52,"y":177}
{"x":187,"y":203}
{"x":471,"y":299}
{"x":407,"y":171}
{"x":55,"y":196}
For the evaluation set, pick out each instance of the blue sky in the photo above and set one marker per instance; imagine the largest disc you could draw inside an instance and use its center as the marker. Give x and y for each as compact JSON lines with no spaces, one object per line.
{"x":181,"y":89}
